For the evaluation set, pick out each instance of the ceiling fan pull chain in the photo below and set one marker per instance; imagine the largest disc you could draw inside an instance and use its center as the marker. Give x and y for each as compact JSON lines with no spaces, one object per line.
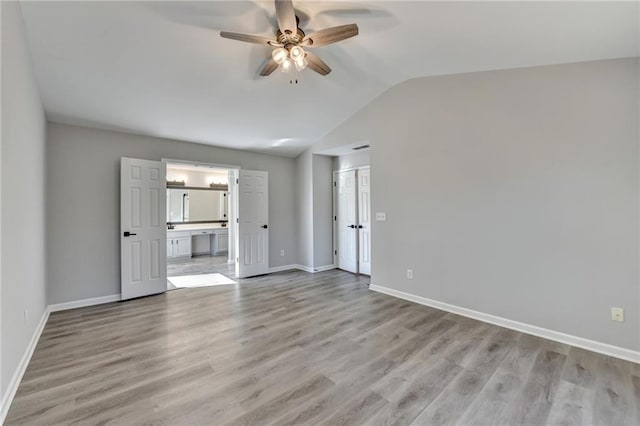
{"x":294,"y":77}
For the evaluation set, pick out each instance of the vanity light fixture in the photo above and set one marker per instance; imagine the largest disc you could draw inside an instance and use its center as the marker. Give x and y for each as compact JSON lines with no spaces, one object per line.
{"x":219,"y":186}
{"x":176,"y":183}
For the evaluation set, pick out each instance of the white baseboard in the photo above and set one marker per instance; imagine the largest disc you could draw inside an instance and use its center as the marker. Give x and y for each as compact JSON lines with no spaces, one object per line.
{"x":592,"y":345}
{"x":301,"y":268}
{"x":314,"y":270}
{"x":282,"y":268}
{"x":324,"y":268}
{"x":7,"y":398}
{"x":84,"y":302}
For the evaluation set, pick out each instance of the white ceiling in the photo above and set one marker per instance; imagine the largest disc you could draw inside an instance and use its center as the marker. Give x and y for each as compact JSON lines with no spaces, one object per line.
{"x":161,"y":69}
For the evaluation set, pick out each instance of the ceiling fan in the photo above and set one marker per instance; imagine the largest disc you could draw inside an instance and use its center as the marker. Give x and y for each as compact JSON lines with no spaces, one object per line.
{"x":291,"y":43}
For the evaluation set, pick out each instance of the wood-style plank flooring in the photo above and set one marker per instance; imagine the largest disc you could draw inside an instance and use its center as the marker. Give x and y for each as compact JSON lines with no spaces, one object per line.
{"x":296,"y":348}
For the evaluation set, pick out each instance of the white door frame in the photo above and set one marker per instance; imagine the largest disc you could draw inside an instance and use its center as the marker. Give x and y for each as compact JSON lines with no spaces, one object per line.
{"x":335,"y":210}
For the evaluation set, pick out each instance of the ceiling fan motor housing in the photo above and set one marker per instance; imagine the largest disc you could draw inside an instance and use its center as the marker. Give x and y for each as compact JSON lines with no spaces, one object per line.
{"x":289,"y":40}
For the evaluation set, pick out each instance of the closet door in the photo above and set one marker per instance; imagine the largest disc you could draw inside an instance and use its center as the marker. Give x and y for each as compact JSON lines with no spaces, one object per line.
{"x":346,"y":221}
{"x":364,"y":221}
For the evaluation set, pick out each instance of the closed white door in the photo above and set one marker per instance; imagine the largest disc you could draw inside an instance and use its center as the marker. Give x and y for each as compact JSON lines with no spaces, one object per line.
{"x":364,"y":221}
{"x":346,"y":221}
{"x":143,"y":228}
{"x":253,"y":224}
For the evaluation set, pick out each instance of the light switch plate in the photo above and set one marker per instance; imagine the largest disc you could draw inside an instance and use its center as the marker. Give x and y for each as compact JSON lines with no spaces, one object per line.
{"x":381,"y":216}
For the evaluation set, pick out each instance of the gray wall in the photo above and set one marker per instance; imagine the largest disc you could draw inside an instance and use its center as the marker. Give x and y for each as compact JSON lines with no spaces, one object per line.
{"x":314,"y":209}
{"x":513,"y":193}
{"x":84,"y":208}
{"x":357,"y":159}
{"x":304,"y":208}
{"x":23,"y":196}
{"x":322,"y":210}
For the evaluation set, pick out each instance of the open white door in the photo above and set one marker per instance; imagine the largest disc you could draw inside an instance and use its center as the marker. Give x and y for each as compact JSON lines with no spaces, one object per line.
{"x":143,"y":227}
{"x":346,"y":219}
{"x":253,"y":224}
{"x":364,"y":221}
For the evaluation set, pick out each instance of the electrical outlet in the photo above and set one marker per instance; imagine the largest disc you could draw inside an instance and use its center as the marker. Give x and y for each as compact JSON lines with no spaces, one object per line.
{"x":617,"y":314}
{"x":410,"y":274}
{"x":381,"y":216}
{"x":282,"y":253}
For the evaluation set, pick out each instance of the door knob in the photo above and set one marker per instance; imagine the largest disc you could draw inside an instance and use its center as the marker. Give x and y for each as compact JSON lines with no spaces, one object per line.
{"x":128,"y":234}
{"x":351,"y":226}
{"x":265,"y":226}
{"x":359,"y":226}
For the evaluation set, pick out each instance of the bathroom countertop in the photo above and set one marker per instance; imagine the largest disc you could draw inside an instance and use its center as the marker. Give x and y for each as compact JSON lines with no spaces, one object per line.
{"x":197,"y":227}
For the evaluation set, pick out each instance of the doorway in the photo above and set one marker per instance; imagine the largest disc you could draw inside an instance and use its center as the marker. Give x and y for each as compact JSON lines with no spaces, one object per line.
{"x":352,"y":220}
{"x":219,"y":220}
{"x":199,"y":206}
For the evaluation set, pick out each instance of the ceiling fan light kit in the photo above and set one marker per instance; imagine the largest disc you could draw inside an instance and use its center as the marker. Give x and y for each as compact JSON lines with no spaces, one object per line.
{"x":279,"y":55}
{"x":290,"y":42}
{"x":284,"y":57}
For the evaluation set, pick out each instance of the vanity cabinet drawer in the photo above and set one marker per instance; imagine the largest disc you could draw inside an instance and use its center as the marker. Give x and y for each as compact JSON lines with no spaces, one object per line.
{"x":202,"y":232}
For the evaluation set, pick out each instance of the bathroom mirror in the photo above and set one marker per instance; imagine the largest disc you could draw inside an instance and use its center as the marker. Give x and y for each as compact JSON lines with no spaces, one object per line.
{"x":196,"y":205}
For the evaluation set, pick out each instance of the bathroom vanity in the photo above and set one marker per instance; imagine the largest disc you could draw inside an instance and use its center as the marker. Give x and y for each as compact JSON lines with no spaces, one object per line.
{"x":197,"y":218}
{"x":189,"y":240}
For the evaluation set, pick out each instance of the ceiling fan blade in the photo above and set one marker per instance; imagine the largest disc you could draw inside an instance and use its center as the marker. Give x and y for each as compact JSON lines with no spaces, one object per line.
{"x":268,"y":68}
{"x":316,"y":64}
{"x":330,"y":35}
{"x":286,"y":15}
{"x":248,"y":38}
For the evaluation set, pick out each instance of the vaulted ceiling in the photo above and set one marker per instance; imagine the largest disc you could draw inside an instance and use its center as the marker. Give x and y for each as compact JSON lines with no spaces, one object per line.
{"x":161,"y":69}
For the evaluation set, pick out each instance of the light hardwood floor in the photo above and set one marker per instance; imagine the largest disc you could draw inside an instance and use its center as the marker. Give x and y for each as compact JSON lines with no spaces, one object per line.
{"x":296,"y":348}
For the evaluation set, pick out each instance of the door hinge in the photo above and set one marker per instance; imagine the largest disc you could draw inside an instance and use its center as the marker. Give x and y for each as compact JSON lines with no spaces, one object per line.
{"x":335,"y":218}
{"x":237,"y":220}
{"x":237,"y":180}
{"x":335,"y":252}
{"x":334,"y":184}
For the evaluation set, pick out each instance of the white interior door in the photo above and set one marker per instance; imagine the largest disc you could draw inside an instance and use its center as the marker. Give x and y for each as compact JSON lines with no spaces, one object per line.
{"x":143,"y":228}
{"x":364,"y":221}
{"x":232,"y":215}
{"x":253,"y":224}
{"x":346,"y":221}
